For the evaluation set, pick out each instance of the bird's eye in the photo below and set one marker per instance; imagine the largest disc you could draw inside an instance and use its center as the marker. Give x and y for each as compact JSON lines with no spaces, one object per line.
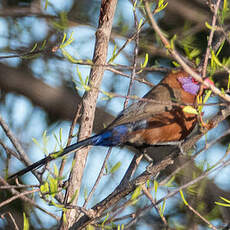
{"x":194,"y":81}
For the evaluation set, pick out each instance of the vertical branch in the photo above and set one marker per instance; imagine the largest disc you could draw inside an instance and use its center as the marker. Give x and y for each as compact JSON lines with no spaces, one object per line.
{"x":207,"y":55}
{"x":136,"y":158}
{"x":89,"y":104}
{"x":135,"y":55}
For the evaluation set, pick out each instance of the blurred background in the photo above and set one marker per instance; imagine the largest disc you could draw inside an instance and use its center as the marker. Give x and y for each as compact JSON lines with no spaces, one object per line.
{"x":39,"y":94}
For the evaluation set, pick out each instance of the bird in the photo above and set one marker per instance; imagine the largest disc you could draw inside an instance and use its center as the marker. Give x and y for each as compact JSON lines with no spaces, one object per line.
{"x":156,"y":119}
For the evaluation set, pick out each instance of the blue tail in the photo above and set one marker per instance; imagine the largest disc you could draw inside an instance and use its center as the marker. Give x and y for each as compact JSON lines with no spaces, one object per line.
{"x":111,"y":137}
{"x":53,"y":156}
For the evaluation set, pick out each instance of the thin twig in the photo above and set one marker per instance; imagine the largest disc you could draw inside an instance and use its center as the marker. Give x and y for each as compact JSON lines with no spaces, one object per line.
{"x":13,"y":220}
{"x":135,"y":55}
{"x":18,"y":186}
{"x":207,"y":55}
{"x":15,"y":197}
{"x":22,"y":155}
{"x":149,"y":196}
{"x":14,"y":141}
{"x":200,"y":216}
{"x":98,"y":178}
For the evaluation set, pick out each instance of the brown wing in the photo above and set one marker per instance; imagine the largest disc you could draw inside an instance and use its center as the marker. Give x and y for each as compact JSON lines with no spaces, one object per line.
{"x":159,"y":102}
{"x":162,"y":95}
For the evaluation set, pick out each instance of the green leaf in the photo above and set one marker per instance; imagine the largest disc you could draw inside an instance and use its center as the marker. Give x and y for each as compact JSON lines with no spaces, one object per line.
{"x":53,"y":186}
{"x":222,"y":204}
{"x":85,"y":193}
{"x":56,"y":154}
{"x":162,"y":209}
{"x":87,"y":80}
{"x":148,"y":183}
{"x":194,"y":53}
{"x":182,"y":196}
{"x":25,"y":222}
{"x":43,"y":45}
{"x":64,"y":217}
{"x":197,"y":61}
{"x":172,"y":40}
{"x":215,"y":59}
{"x":161,"y":6}
{"x":60,"y":136}
{"x":155,"y":185}
{"x":106,"y":218}
{"x":70,"y":40}
{"x":35,"y":46}
{"x":114,"y":55}
{"x":46,"y":4}
{"x":208,"y":94}
{"x":83,"y":83}
{"x":63,"y":39}
{"x":62,"y":206}
{"x":36,"y":142}
{"x":209,"y":26}
{"x":190,"y":109}
{"x":136,"y":193}
{"x":220,"y":48}
{"x":80,"y":76}
{"x":106,"y":169}
{"x":145,"y":62}
{"x":169,"y":183}
{"x":45,"y":140}
{"x":65,"y":42}
{"x":56,"y":137}
{"x":225,"y":11}
{"x":134,"y":5}
{"x":176,"y":64}
{"x":224,"y":199}
{"x":55,"y":170}
{"x":44,"y":188}
{"x":228,"y":82}
{"x":115,"y":167}
{"x":90,"y":227}
{"x":109,"y":95}
{"x":140,"y":24}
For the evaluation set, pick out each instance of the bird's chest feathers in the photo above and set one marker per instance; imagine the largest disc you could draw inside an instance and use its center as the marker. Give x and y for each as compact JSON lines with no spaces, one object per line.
{"x":169,"y":126}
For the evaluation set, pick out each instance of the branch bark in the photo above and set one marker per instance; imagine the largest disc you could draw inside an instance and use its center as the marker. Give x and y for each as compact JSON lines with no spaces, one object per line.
{"x":89,"y":104}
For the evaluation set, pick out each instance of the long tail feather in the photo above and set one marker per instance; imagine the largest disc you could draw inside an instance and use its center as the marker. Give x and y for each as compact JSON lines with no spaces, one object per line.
{"x":54,"y":155}
{"x":31,"y":167}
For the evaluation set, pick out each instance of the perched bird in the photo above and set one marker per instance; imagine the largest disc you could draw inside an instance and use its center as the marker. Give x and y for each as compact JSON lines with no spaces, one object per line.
{"x":158,"y":119}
